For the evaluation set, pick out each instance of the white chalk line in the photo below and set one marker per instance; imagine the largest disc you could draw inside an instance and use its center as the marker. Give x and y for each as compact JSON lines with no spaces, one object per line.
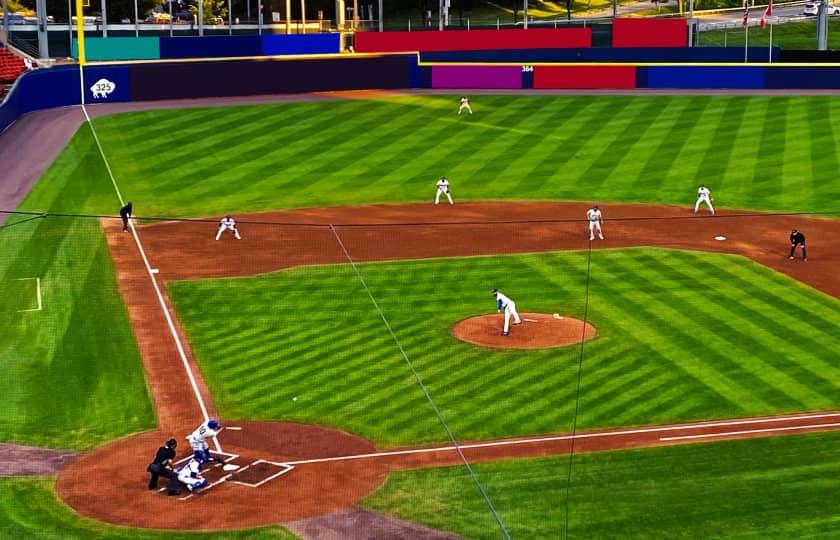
{"x":170,"y":323}
{"x":285,"y":467}
{"x":602,"y":434}
{"x":37,"y":293}
{"x":748,"y":432}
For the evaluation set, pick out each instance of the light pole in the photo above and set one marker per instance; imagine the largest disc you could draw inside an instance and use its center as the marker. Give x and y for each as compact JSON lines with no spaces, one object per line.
{"x":525,"y":14}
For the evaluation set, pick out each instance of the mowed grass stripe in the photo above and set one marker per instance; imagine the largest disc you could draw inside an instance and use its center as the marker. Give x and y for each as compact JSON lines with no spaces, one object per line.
{"x":667,"y":349}
{"x":823,"y":145}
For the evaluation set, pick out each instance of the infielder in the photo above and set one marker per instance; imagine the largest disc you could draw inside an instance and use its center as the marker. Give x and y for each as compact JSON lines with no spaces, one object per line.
{"x":443,"y":187}
{"x":228,"y":224}
{"x":505,"y":303}
{"x":190,"y":475}
{"x":593,"y":215}
{"x":797,"y":239}
{"x":465,"y":104}
{"x":198,"y":440}
{"x":704,"y":195}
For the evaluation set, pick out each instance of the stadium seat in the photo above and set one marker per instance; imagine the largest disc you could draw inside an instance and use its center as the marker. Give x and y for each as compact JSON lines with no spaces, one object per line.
{"x":11,"y":67}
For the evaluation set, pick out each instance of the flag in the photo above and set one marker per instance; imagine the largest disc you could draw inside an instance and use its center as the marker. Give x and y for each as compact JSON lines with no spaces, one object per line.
{"x":746,"y":13}
{"x":767,"y":14}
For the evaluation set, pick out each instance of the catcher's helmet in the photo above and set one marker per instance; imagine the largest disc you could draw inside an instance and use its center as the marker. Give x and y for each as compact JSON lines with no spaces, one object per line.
{"x":171,"y":443}
{"x":212,"y":424}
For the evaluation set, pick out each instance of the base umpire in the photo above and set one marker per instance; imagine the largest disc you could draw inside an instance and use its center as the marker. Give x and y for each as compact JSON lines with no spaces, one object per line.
{"x":797,"y":239}
{"x":162,"y":466}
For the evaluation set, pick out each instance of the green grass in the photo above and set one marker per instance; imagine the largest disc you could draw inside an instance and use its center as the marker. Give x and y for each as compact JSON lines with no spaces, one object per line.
{"x":682,"y":336}
{"x":772,"y":153}
{"x":72,"y":372}
{"x":29,"y":509}
{"x":794,"y":36}
{"x":782,"y":487}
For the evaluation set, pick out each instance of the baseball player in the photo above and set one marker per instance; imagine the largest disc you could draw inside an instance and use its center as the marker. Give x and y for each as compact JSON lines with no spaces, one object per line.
{"x":797,"y":239}
{"x":704,"y":195}
{"x":593,"y":215}
{"x":190,"y":475}
{"x":443,"y":187}
{"x":198,"y":440}
{"x":228,"y":224}
{"x":161,"y":464}
{"x":465,"y":104}
{"x":509,"y":306}
{"x":125,"y":214}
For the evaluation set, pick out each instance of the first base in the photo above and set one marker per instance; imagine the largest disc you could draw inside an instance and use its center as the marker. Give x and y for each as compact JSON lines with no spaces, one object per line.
{"x":720,"y":237}
{"x":557,"y":316}
{"x":154,"y":270}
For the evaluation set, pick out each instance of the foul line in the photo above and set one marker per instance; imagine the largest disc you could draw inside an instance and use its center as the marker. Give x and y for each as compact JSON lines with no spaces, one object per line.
{"x":163,"y":306}
{"x":419,"y":380}
{"x":37,"y":292}
{"x":747,"y":432}
{"x":602,"y":434}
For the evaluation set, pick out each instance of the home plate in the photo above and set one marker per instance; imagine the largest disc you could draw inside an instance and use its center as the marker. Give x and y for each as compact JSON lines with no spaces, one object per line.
{"x":720,"y":237}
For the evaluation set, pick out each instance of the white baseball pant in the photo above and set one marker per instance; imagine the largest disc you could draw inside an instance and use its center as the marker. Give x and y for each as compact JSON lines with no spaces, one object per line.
{"x":445,"y":192}
{"x":593,"y":226}
{"x":510,"y":311}
{"x":704,"y":199}
{"x":222,"y":229}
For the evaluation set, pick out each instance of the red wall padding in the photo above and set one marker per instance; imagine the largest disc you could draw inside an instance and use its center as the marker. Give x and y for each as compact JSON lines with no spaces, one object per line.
{"x":473,"y":40}
{"x":650,"y":33}
{"x":584,"y":76}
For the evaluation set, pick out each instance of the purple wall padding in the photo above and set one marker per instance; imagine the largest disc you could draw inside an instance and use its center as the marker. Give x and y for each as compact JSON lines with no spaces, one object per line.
{"x":477,"y":77}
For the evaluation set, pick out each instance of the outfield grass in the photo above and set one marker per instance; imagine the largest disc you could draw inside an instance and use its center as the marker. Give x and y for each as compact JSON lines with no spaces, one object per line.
{"x":29,"y":509}
{"x":72,"y":376}
{"x":682,"y":336}
{"x":781,"y":487}
{"x":772,"y":153}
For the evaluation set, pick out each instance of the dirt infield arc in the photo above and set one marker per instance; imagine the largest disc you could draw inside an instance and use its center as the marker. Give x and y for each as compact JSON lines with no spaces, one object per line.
{"x":333,"y":470}
{"x":536,"y":331}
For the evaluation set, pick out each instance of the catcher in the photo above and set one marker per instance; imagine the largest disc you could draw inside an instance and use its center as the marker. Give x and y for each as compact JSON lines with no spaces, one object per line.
{"x":704,"y":195}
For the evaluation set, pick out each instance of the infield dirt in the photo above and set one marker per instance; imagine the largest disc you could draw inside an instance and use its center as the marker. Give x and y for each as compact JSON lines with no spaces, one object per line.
{"x":273,"y":241}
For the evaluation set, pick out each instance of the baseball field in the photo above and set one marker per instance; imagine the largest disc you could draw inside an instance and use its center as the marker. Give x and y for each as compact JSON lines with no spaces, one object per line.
{"x":705,"y":405}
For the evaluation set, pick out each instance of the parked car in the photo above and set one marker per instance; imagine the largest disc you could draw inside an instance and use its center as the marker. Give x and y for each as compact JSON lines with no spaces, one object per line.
{"x":14,"y":18}
{"x":813,"y":8}
{"x":157,"y":17}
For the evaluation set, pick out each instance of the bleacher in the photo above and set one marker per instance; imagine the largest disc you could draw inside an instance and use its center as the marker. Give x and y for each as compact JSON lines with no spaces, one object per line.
{"x":11,"y":67}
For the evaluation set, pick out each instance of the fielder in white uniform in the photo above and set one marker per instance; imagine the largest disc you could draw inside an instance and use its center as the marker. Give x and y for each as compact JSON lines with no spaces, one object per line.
{"x":443,"y":187}
{"x":593,"y":215}
{"x":228,"y":224}
{"x":190,"y":475}
{"x":198,"y":440}
{"x":704,"y":195}
{"x":465,"y":104}
{"x":505,"y":303}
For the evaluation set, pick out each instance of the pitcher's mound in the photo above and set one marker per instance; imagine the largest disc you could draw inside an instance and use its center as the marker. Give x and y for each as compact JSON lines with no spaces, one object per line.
{"x":537,"y":331}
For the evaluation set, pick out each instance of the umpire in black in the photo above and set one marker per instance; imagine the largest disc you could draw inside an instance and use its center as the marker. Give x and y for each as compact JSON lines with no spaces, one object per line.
{"x":162,"y":464}
{"x":125,"y":214}
{"x":797,"y":239}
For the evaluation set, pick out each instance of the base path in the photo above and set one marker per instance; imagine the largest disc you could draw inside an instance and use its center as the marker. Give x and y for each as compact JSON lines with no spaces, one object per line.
{"x":332,"y":470}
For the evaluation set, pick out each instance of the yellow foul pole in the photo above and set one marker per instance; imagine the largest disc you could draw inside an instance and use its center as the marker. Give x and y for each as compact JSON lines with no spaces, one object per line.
{"x":80,"y":31}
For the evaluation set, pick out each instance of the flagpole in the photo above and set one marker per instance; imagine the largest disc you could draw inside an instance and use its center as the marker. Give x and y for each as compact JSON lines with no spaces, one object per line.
{"x":746,"y":40}
{"x":770,"y":50}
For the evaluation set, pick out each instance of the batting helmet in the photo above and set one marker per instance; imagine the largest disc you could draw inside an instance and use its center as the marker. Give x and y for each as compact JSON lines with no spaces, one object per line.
{"x":212,"y":424}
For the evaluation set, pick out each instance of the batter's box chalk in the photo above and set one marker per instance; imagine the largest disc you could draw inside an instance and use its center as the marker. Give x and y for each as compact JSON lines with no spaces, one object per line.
{"x":259,"y":473}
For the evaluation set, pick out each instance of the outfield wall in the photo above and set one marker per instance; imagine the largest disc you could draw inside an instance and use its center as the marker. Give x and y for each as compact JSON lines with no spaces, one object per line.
{"x":473,"y":40}
{"x":59,"y":86}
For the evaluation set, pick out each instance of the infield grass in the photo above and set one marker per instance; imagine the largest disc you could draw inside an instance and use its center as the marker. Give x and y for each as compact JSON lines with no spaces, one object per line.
{"x":770,"y":153}
{"x":780,"y":487}
{"x":681,"y":336}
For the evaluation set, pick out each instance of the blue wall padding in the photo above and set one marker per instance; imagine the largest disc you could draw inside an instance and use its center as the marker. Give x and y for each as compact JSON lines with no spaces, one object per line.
{"x":802,"y":77}
{"x":277,"y":44}
{"x":641,"y":77}
{"x":418,"y":76}
{"x":48,"y":88}
{"x":705,"y":77}
{"x":119,"y":76}
{"x":210,"y":46}
{"x":605,"y":54}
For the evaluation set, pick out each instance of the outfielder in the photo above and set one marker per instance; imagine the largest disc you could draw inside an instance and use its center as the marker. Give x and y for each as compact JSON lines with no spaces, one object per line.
{"x":465,"y":104}
{"x":593,"y":215}
{"x":505,"y":303}
{"x":704,"y":195}
{"x":443,"y":187}
{"x":228,"y":224}
{"x":198,"y":440}
{"x":190,"y":475}
{"x":797,"y":239}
